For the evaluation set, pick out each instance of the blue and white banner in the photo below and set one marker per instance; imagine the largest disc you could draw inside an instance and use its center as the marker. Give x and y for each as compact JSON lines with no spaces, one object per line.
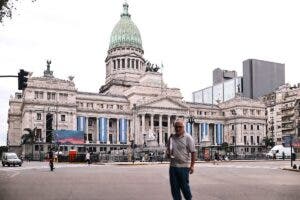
{"x":123,"y":131}
{"x":204,"y":131}
{"x":188,"y":128}
{"x":81,"y":123}
{"x":219,"y":135}
{"x":102,"y":124}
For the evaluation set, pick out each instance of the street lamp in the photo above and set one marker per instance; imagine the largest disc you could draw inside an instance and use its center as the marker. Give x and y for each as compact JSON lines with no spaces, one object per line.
{"x":291,"y":144}
{"x":191,"y":120}
{"x":233,"y":112}
{"x":144,"y":134}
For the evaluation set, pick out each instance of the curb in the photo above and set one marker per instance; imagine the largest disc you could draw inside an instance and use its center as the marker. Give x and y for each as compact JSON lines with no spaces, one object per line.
{"x":290,"y":169}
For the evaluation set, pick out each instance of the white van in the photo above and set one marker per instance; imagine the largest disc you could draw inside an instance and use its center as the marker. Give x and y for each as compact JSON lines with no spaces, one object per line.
{"x":279,"y":151}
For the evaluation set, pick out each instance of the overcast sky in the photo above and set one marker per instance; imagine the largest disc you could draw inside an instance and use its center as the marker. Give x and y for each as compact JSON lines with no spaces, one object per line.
{"x":190,"y":37}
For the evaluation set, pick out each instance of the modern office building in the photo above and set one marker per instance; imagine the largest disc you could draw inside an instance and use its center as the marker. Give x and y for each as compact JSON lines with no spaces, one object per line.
{"x":261,"y":77}
{"x":220,"y":92}
{"x":220,"y":75}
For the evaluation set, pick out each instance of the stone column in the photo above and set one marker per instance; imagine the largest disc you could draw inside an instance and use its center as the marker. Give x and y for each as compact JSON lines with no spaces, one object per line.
{"x":118,"y":131}
{"x":107,"y":127}
{"x":169,"y":125}
{"x":127,"y":131}
{"x":160,"y":130}
{"x":143,"y":128}
{"x":215,"y":135}
{"x":97,"y":130}
{"x":152,"y":122}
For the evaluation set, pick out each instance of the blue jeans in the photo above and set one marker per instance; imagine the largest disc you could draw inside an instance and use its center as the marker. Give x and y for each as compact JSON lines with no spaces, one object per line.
{"x":179,"y":180}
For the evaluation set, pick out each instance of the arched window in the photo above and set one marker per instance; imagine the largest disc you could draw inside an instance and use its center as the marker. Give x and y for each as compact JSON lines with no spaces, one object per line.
{"x":137,"y":64}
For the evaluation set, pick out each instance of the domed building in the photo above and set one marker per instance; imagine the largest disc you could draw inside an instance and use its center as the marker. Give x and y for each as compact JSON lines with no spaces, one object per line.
{"x":134,"y":106}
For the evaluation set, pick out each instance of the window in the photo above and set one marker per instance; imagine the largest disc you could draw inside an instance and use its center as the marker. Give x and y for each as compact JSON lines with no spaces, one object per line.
{"x":132,"y":63}
{"x":128,"y":62}
{"x":63,"y":96}
{"x":245,"y":127}
{"x":137,"y":64}
{"x":38,"y":133}
{"x":114,"y":64}
{"x":232,"y":127}
{"x":38,"y":95}
{"x":233,"y":140}
{"x":251,"y":127}
{"x":63,"y":118}
{"x":90,"y":121}
{"x":245,"y":140}
{"x":251,"y":139}
{"x":38,"y":116}
{"x":118,"y":64}
{"x":123,"y":63}
{"x":258,"y":112}
{"x":257,"y":139}
{"x":50,"y":96}
{"x":252,"y":112}
{"x":257,"y":127}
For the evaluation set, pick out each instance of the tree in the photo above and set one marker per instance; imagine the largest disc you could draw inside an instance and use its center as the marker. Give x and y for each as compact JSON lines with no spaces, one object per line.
{"x":29,"y":138}
{"x":269,"y":141}
{"x":225,"y":146}
{"x":3,"y":149}
{"x":6,"y":8}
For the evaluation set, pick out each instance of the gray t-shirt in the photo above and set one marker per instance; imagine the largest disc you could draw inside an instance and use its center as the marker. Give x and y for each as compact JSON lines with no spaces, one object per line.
{"x":181,"y":147}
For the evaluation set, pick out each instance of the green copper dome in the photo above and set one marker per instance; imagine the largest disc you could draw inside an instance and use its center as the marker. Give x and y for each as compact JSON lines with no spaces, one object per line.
{"x":125,"y":33}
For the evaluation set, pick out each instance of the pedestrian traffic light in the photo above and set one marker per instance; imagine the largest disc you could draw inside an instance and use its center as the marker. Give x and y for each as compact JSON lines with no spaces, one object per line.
{"x":22,"y":79}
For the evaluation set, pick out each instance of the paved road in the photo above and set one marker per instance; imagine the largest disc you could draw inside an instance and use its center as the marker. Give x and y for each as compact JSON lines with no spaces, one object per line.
{"x":231,"y":180}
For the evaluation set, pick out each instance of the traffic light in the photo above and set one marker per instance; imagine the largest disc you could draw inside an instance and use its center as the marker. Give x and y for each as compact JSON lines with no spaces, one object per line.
{"x":22,"y":79}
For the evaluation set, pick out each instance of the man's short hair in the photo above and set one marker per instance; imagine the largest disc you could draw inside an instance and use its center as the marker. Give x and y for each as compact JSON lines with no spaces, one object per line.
{"x":181,"y":120}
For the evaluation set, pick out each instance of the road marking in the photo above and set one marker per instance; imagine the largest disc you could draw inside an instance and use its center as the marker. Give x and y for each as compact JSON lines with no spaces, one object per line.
{"x":14,"y":174}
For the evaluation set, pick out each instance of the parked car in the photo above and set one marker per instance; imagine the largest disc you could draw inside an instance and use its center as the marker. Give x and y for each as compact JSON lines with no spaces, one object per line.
{"x":278,"y":151}
{"x":11,"y":159}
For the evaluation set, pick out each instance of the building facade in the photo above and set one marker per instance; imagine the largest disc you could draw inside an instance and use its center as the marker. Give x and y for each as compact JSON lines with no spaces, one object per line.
{"x":220,"y":75}
{"x":282,"y":108}
{"x":219,"y":92}
{"x":133,"y":106}
{"x":261,"y":77}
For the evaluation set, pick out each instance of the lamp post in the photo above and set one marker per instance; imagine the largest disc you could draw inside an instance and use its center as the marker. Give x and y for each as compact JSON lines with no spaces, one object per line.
{"x":191,"y":120}
{"x":145,"y":144}
{"x":291,"y":144}
{"x":233,"y":112}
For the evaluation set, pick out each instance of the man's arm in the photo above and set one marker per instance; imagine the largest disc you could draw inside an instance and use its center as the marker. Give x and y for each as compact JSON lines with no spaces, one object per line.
{"x":193,"y":158}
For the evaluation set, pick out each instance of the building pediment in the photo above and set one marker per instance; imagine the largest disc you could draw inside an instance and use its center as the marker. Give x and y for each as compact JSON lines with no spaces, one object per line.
{"x":164,"y":102}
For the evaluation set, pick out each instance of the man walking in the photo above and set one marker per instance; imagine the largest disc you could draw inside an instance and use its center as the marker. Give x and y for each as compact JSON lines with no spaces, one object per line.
{"x":181,"y":150}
